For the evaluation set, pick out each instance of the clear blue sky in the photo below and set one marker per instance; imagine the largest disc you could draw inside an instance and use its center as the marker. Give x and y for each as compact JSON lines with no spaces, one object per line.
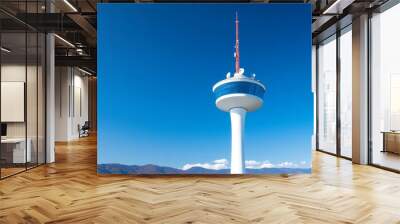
{"x":157,"y":64}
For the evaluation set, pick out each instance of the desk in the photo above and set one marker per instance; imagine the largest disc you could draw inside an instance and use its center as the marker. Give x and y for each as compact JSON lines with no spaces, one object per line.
{"x":391,"y":141}
{"x":17,"y":152}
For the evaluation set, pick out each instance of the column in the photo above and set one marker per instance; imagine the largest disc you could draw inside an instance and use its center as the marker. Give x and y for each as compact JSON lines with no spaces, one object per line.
{"x":360,"y":90}
{"x":50,"y":92}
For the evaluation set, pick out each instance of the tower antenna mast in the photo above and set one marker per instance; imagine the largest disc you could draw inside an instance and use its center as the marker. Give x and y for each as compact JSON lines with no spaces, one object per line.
{"x":237,"y":57}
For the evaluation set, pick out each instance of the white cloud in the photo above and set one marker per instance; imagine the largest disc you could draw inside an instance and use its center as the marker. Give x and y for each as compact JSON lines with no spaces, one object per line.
{"x":266,"y":165}
{"x":224,"y":161}
{"x":287,"y":164}
{"x":250,"y":164}
{"x":215,"y":165}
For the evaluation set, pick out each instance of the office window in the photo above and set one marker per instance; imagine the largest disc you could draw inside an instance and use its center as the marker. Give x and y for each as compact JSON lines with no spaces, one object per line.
{"x":385,"y":90}
{"x":327,"y":95}
{"x":346,"y":92}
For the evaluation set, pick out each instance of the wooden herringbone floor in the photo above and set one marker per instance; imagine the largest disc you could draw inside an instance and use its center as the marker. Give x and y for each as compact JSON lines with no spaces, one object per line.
{"x":70,"y":191}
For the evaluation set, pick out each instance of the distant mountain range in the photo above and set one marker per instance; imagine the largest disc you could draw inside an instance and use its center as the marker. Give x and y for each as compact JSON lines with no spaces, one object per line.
{"x":115,"y":168}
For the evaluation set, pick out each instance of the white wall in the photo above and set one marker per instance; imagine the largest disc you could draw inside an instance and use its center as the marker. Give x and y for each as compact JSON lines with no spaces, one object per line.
{"x":62,"y":82}
{"x":80,"y":112}
{"x":71,"y":94}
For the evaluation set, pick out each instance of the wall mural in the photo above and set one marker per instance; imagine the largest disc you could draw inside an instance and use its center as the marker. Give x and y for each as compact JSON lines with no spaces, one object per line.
{"x":204,"y":89}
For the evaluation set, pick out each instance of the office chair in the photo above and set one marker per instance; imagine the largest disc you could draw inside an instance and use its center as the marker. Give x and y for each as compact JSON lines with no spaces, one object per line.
{"x":84,"y":130}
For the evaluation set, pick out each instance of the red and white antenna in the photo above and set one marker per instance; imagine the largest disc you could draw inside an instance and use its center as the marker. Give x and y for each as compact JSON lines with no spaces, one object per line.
{"x":237,"y":58}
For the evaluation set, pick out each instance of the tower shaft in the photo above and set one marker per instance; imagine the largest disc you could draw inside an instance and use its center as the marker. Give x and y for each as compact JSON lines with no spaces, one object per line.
{"x":238,"y":116}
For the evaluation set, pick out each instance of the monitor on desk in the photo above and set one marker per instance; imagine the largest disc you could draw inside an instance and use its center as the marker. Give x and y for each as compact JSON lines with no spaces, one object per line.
{"x":3,"y":130}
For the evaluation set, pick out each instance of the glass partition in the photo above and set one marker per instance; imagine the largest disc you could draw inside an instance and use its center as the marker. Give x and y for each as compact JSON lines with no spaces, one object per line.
{"x":32,"y":95}
{"x":22,"y":89}
{"x":14,"y":153}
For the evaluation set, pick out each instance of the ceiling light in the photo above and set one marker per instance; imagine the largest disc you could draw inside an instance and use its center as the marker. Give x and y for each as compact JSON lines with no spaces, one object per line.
{"x":329,"y":9}
{"x":70,"y":5}
{"x":338,"y":6}
{"x":84,"y":71}
{"x":79,"y":51}
{"x":65,"y":41}
{"x":5,"y":50}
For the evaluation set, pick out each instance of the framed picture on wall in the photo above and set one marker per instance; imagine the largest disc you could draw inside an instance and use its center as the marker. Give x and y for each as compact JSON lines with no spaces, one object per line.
{"x":204,"y":89}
